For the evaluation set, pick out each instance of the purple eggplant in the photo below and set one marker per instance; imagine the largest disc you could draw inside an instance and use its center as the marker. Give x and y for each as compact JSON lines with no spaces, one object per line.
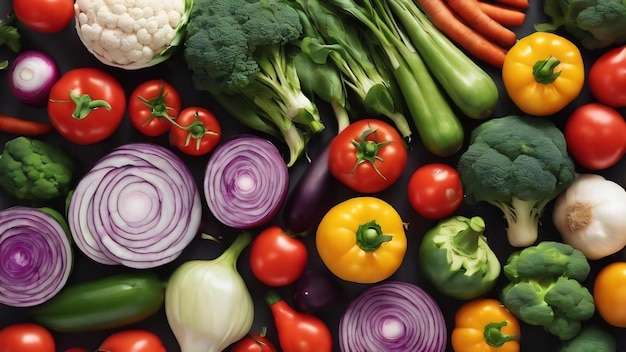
{"x":309,"y":200}
{"x":314,"y":291}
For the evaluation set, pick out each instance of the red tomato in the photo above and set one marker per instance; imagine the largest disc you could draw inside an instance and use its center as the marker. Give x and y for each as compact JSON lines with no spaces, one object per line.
{"x":152,"y":106}
{"x":254,"y":342}
{"x":45,"y":16}
{"x":197,"y":131}
{"x":133,"y":341}
{"x":86,"y":105}
{"x":435,"y":190}
{"x":368,"y":156}
{"x":277,"y":259}
{"x":596,"y":136}
{"x":607,"y":78}
{"x":26,"y":337}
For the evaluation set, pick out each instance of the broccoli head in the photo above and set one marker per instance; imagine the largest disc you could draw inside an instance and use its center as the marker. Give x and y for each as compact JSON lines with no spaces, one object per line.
{"x":223,"y":36}
{"x":519,"y":164}
{"x":546,"y":288}
{"x":34,"y":170}
{"x":595,"y":23}
{"x":591,"y":338}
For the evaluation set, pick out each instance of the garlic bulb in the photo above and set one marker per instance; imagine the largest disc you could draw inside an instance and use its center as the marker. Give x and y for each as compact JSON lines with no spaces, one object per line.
{"x":591,"y":216}
{"x":207,"y":303}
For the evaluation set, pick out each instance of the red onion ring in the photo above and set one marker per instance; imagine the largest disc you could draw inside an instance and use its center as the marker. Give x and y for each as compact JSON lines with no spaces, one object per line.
{"x":245,"y":182}
{"x":393,"y":316}
{"x":35,"y":256}
{"x":138,"y":206}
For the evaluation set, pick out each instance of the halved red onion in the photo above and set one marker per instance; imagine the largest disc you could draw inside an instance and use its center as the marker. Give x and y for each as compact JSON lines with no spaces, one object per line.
{"x":138,"y":206}
{"x":35,"y":255}
{"x":31,"y":77}
{"x":246,"y":182}
{"x":393,"y":316}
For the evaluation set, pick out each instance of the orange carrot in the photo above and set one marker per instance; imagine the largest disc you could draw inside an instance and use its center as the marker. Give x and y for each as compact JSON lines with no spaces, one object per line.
{"x":464,"y":36}
{"x":471,"y":13}
{"x":19,"y":126}
{"x":520,"y":4}
{"x":506,"y":16}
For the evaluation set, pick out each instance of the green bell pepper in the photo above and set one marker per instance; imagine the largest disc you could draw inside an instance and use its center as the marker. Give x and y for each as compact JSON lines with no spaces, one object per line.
{"x":455,"y":257}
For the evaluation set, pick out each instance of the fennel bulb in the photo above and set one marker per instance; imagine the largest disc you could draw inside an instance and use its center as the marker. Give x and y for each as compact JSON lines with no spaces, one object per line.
{"x":207,"y":303}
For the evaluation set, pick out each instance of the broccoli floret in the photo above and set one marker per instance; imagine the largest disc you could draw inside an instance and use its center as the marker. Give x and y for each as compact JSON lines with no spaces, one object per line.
{"x":596,"y":23}
{"x":546,"y":288}
{"x":244,"y":49}
{"x":519,"y":164}
{"x":34,"y":170}
{"x":591,"y":339}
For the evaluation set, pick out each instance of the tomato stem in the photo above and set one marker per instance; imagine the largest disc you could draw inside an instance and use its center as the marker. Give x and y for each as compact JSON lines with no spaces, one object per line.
{"x":196,"y":130}
{"x":367,"y":150}
{"x":85,"y":105}
{"x":158,"y":106}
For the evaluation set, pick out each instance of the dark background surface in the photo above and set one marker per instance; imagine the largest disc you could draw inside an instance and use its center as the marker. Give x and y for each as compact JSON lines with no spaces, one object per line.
{"x":69,"y":53}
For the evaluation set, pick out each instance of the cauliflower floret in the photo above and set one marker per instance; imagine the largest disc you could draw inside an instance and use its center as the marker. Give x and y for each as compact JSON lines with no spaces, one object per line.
{"x":130,"y":34}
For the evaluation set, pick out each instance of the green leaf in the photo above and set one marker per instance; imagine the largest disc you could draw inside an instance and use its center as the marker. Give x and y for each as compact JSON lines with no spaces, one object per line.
{"x":10,"y":37}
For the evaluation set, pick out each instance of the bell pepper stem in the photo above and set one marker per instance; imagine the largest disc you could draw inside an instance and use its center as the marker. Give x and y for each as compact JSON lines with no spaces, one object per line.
{"x":369,"y":236}
{"x":493,"y":334}
{"x":543,"y":70}
{"x":466,"y":241}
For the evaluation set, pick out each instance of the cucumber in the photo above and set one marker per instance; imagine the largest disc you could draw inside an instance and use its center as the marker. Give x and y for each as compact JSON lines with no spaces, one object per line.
{"x":469,"y":87}
{"x":111,"y":302}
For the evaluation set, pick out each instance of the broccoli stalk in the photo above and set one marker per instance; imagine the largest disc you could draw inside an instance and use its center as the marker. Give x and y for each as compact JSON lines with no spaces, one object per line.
{"x":243,"y":50}
{"x":522,"y":218}
{"x":518,"y":164}
{"x":545,"y":288}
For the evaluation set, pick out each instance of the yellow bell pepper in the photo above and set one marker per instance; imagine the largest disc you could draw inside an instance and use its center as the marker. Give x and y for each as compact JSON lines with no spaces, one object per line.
{"x":362,"y":240}
{"x":485,"y":325}
{"x":542,"y":73}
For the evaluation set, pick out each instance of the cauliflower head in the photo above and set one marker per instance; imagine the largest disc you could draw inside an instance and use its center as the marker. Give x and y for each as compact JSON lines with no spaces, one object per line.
{"x":131,"y":34}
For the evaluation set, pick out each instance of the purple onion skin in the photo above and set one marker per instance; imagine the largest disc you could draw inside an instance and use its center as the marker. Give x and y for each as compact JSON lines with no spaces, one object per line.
{"x":314,"y":292}
{"x":36,"y":97}
{"x":309,"y":200}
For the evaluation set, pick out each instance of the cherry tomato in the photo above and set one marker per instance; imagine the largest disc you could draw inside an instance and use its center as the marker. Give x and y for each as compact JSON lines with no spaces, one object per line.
{"x":197,"y":131}
{"x":607,"y":78}
{"x":254,"y":342}
{"x":152,"y":106}
{"x":609,"y":293}
{"x":45,"y":16}
{"x":86,"y":105}
{"x":133,"y":341}
{"x":435,"y":190}
{"x":277,"y":259}
{"x":368,"y":156}
{"x":26,"y":337}
{"x":596,"y":136}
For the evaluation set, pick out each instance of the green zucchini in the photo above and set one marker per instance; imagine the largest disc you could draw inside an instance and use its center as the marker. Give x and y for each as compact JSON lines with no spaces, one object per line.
{"x":469,"y":87}
{"x":111,"y":302}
